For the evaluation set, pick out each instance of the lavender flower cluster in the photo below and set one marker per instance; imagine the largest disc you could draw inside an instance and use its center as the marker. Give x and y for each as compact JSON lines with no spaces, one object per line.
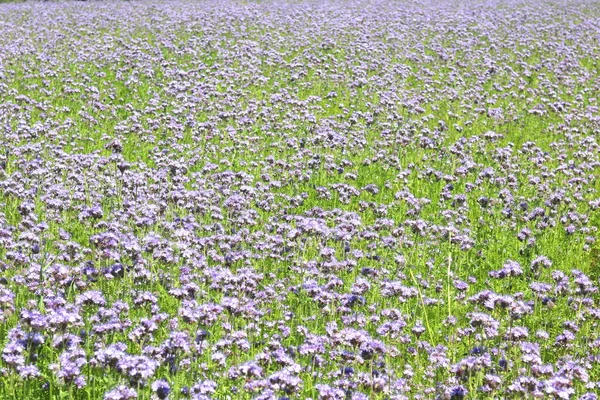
{"x":306,"y":200}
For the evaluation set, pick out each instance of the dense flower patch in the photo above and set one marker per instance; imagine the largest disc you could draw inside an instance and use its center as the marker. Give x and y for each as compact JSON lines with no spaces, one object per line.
{"x":325,"y":200}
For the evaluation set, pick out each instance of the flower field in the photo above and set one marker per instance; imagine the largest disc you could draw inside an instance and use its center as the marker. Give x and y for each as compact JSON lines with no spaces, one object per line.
{"x":333,"y":200}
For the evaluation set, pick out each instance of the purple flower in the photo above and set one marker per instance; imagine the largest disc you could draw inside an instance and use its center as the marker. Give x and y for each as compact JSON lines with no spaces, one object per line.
{"x":28,"y":371}
{"x":456,"y":393}
{"x":327,"y":392}
{"x":510,"y":269}
{"x":121,"y":392}
{"x":162,"y":388}
{"x":204,"y":388}
{"x":137,"y":368}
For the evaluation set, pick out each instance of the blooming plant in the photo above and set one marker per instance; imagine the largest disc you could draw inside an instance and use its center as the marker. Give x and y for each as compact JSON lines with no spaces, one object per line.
{"x":300,"y":200}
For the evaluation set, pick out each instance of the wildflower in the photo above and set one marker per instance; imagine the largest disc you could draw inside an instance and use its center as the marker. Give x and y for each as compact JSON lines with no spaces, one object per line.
{"x":162,"y":388}
{"x":121,"y":392}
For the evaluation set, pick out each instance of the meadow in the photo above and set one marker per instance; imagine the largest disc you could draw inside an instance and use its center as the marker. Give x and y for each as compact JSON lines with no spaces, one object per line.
{"x":300,"y":200}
